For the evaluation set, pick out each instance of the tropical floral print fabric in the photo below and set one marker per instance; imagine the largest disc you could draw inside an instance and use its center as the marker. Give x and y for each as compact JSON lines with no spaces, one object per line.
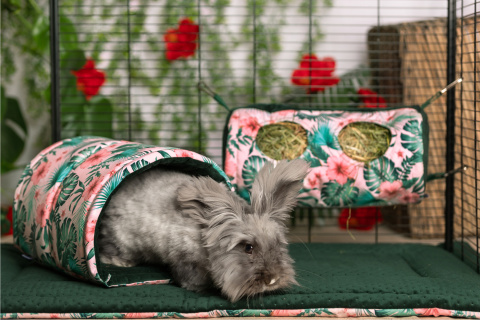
{"x":317,"y":312}
{"x":335,"y":180}
{"x":62,"y":192}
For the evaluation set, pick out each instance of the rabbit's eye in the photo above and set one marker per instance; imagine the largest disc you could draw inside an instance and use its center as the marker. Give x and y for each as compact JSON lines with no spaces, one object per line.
{"x":248,"y":248}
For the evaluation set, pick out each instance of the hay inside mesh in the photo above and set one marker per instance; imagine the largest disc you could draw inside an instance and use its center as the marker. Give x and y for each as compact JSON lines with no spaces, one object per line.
{"x":364,"y":141}
{"x":282,"y":140}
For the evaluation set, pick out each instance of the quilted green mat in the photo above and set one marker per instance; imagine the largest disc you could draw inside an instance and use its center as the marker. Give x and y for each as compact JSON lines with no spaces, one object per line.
{"x":383,"y":276}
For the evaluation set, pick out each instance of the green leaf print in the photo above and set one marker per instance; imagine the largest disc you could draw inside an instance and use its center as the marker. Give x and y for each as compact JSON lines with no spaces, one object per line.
{"x":314,"y":162}
{"x":315,"y":312}
{"x":79,"y":216}
{"x":409,"y":183}
{"x":32,"y":248}
{"x":91,"y":254}
{"x":324,"y":136}
{"x":67,"y":241}
{"x":47,"y":258}
{"x":378,"y":171}
{"x":395,"y":313}
{"x":68,"y":185}
{"x":19,"y":219}
{"x":366,"y":198}
{"x":19,"y":222}
{"x":73,"y":142}
{"x":251,"y":167}
{"x":81,"y":156}
{"x":46,"y":237}
{"x":320,"y":140}
{"x":419,"y":187}
{"x":59,"y":174}
{"x":26,"y":177}
{"x":405,"y":169}
{"x":243,"y":193}
{"x":307,"y":116}
{"x":318,"y":152}
{"x":412,"y":139}
{"x":74,"y":266}
{"x":77,"y":196}
{"x":164,"y":154}
{"x":336,"y":195}
{"x":397,"y":120}
{"x":139,"y":164}
{"x":107,"y":190}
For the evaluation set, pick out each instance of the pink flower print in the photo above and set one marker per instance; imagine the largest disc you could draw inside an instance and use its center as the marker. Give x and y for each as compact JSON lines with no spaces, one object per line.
{"x":62,"y":215}
{"x":235,"y":116}
{"x":436,"y":312}
{"x":90,"y":231}
{"x":347,"y":313}
{"x":41,"y":215}
{"x":285,"y":313}
{"x":230,"y":165}
{"x":92,"y":188}
{"x":52,"y":197}
{"x":95,"y":158}
{"x":40,"y":172}
{"x":400,"y":154}
{"x":313,"y":179}
{"x":391,"y":190}
{"x":341,"y":169}
{"x":184,"y":153}
{"x":410,"y":197}
{"x":37,"y":195}
{"x":250,"y":126}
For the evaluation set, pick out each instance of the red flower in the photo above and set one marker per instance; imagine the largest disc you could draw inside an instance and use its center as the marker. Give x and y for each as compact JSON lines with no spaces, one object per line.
{"x":181,"y":42}
{"x":89,"y":79}
{"x":371,"y":99}
{"x":314,"y":73}
{"x":9,"y":218}
{"x":361,"y":218}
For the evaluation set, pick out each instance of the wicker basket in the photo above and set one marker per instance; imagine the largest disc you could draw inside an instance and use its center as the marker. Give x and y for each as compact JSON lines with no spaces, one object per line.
{"x":409,"y":65}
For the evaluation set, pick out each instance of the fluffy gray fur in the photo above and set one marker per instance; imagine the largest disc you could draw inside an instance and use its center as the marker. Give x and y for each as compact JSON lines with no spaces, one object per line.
{"x":205,"y":233}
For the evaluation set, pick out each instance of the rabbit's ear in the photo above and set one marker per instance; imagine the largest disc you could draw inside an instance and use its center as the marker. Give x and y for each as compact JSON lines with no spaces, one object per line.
{"x":204,"y":198}
{"x":275,"y":189}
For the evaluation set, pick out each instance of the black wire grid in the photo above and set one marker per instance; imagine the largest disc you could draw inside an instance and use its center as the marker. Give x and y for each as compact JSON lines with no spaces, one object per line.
{"x":455,"y":202}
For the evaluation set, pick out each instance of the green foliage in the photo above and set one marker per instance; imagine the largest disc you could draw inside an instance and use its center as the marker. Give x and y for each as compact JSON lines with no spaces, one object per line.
{"x":13,"y":130}
{"x":25,"y":32}
{"x":139,"y":62}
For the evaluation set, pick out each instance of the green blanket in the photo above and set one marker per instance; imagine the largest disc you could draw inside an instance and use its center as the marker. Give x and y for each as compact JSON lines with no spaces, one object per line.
{"x":383,"y":279}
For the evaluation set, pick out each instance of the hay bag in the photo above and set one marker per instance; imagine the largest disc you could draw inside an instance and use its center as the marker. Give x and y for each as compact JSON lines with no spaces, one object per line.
{"x":392,"y":172}
{"x":63,"y":190}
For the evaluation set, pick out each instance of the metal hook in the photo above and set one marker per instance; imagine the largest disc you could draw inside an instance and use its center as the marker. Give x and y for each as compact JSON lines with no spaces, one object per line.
{"x":464,"y":168}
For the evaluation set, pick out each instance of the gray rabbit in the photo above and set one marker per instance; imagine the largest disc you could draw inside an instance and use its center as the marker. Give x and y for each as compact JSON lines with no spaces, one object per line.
{"x":205,"y":233}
